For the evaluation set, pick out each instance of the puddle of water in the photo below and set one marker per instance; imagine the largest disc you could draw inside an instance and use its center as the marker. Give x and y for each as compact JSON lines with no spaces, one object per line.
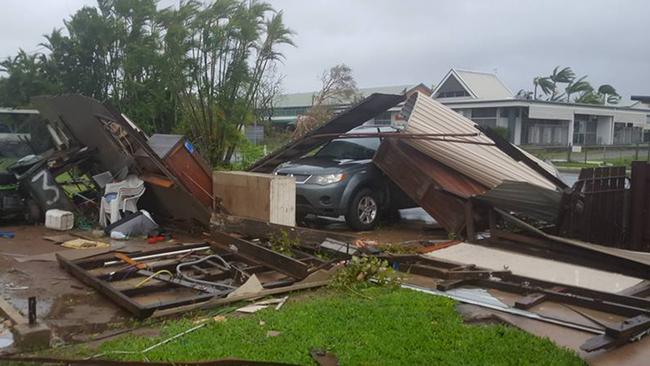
{"x":416,"y":214}
{"x":43,"y":306}
{"x":6,"y":338}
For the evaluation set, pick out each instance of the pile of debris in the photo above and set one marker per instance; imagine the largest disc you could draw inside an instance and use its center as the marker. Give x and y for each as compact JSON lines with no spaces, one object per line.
{"x":479,"y":187}
{"x":177,"y":279}
{"x":484,"y":190}
{"x":102,"y":165}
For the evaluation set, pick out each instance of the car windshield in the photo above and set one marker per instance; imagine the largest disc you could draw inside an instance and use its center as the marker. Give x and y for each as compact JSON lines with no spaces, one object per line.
{"x":22,"y":135}
{"x":356,"y":149}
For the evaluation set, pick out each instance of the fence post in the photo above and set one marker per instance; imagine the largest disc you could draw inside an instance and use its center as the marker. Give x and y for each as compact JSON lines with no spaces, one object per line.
{"x":636,"y":152}
{"x":568,"y":154}
{"x":620,"y":155}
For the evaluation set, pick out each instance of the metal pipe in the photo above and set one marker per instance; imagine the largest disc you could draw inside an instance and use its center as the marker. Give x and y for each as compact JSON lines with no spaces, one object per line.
{"x":110,"y":263}
{"x":31,"y":305}
{"x":394,"y":134}
{"x":509,"y":310}
{"x":226,"y":267}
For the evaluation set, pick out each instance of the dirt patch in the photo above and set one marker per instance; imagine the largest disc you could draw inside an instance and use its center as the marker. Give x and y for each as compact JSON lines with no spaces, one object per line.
{"x":386,"y":233}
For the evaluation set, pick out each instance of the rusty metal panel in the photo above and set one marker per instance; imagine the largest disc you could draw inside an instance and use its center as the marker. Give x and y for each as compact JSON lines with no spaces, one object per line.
{"x":182,"y":159}
{"x":343,"y":122}
{"x":438,"y":189}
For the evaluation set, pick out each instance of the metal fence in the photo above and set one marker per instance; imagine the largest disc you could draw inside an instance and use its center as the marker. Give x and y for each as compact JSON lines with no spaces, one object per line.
{"x":606,"y":206}
{"x":616,"y":154}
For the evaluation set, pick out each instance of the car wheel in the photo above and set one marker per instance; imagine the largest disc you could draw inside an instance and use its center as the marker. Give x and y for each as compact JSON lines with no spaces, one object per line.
{"x":363,"y":211}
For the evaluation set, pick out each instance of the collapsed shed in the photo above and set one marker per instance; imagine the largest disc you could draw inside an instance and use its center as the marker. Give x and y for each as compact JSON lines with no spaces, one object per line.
{"x":106,"y":145}
{"x":464,"y":162}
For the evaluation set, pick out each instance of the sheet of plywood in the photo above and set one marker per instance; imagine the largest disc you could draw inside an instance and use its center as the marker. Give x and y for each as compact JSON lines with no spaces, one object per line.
{"x":264,"y":197}
{"x":536,"y":267}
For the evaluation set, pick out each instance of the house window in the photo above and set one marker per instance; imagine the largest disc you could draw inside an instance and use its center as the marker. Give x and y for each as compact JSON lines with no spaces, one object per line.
{"x":584,"y":130}
{"x":486,"y":117}
{"x":289,"y":112}
{"x":453,"y":94}
{"x":545,"y":132}
{"x":383,"y":119}
{"x":626,"y":133}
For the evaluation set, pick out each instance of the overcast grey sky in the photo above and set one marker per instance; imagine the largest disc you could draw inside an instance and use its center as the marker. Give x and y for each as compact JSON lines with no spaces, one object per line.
{"x":410,"y":41}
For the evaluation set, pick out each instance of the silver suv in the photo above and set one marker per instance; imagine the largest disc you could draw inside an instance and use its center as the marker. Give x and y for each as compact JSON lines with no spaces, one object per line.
{"x":341,"y":179}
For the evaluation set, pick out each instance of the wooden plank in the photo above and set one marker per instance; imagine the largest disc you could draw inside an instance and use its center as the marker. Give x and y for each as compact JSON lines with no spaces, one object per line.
{"x":566,"y":253}
{"x":566,"y":297}
{"x":452,"y":284}
{"x":229,"y":300}
{"x":11,"y":313}
{"x":618,"y":334}
{"x":533,"y":299}
{"x":104,"y":288}
{"x":449,"y":274}
{"x":264,"y":197}
{"x":530,"y":300}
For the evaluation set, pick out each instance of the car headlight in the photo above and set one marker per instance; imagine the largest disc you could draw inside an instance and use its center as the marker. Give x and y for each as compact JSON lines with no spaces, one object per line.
{"x":326,"y":179}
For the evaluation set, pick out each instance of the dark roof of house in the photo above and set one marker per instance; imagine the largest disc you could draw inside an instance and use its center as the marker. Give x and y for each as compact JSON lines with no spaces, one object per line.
{"x":641,"y":98}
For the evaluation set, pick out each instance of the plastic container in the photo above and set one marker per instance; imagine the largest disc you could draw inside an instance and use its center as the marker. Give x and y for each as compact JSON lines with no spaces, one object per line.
{"x":59,"y":219}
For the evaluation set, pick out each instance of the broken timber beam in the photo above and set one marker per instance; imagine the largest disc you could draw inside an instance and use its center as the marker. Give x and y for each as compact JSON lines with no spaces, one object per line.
{"x":618,"y":334}
{"x":11,"y":313}
{"x":104,"y":288}
{"x":214,"y":302}
{"x":274,"y":260}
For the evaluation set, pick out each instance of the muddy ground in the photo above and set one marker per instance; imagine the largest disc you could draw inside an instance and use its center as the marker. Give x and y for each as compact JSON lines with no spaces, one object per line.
{"x":77,"y":313}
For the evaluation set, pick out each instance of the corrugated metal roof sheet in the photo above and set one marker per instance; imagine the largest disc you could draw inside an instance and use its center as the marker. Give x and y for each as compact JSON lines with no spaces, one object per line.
{"x":484,"y":85}
{"x":526,"y":199}
{"x":486,"y":164}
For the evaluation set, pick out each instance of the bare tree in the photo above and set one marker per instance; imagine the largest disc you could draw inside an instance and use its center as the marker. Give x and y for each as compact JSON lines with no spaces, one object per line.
{"x":338,"y":87}
{"x":269,"y":90}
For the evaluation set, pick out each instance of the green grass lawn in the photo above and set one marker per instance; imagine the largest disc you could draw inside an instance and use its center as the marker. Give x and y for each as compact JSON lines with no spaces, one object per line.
{"x":384,"y":327}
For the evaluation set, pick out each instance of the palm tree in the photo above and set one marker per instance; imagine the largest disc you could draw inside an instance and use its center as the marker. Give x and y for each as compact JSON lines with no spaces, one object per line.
{"x":608,"y":94}
{"x":543,"y":83}
{"x":524,"y":94}
{"x":577,"y":86}
{"x":565,"y":75}
{"x":589,"y":97}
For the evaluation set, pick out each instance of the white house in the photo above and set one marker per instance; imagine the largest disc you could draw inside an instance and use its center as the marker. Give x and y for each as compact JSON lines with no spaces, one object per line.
{"x":485,"y":99}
